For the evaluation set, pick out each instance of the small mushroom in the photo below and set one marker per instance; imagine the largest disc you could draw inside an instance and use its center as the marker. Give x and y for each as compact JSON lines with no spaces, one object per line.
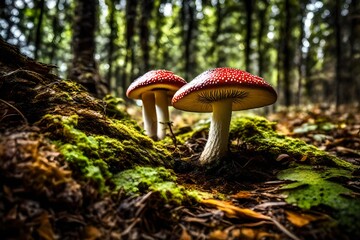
{"x":155,"y":88}
{"x":221,"y":91}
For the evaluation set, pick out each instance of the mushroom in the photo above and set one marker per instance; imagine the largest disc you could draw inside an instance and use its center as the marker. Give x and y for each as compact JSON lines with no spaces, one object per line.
{"x":155,"y":88}
{"x":221,"y":91}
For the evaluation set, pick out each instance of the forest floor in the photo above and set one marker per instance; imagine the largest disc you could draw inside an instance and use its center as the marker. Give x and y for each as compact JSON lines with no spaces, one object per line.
{"x":69,"y":169}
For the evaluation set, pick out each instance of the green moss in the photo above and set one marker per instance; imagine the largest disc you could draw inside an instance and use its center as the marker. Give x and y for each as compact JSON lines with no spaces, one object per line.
{"x":96,"y":157}
{"x":115,"y":107}
{"x":159,"y":180}
{"x":316,"y":187}
{"x":260,"y":134}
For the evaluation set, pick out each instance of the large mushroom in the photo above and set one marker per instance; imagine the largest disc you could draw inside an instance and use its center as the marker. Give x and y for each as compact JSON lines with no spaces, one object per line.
{"x":221,"y":91}
{"x":155,"y":88}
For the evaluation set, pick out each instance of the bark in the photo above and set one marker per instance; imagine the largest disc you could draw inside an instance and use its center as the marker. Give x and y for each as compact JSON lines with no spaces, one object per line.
{"x":57,"y":34}
{"x":261,"y":33}
{"x":146,"y":9}
{"x":338,"y":53}
{"x":249,"y":30}
{"x":38,"y":37}
{"x":84,"y":67}
{"x":129,"y":35}
{"x":355,"y":47}
{"x":188,"y":20}
{"x":301,"y":56}
{"x":286,"y":54}
{"x":111,"y":45}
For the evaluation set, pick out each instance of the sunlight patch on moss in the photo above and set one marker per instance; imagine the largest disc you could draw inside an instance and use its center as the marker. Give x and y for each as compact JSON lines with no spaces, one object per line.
{"x":316,"y":187}
{"x":97,"y":157}
{"x":260,"y":134}
{"x":158,"y":180}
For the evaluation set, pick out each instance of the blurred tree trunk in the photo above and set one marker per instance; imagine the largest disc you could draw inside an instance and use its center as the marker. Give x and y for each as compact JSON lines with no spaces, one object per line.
{"x":38,"y":37}
{"x":130,"y":17}
{"x":262,"y":13}
{"x":214,"y":48}
{"x":84,"y":68}
{"x":56,"y":36}
{"x":111,"y":45}
{"x":159,"y":22}
{"x":249,"y":29}
{"x":286,"y":54}
{"x":146,"y":9}
{"x":302,"y":14}
{"x":188,"y":20}
{"x":338,"y":53}
{"x":355,"y":47}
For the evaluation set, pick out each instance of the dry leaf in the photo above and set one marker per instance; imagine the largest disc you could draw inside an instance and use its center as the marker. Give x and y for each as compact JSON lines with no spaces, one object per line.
{"x":243,"y":194}
{"x":92,"y":233}
{"x":250,"y":233}
{"x":45,"y":230}
{"x":301,"y":219}
{"x":184,"y":234}
{"x":304,"y":158}
{"x":232,"y":211}
{"x":218,"y":235}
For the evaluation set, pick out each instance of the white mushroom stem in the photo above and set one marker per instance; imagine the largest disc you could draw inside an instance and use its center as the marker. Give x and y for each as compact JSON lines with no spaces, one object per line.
{"x":162,"y":112}
{"x":217,"y":143}
{"x":149,"y":114}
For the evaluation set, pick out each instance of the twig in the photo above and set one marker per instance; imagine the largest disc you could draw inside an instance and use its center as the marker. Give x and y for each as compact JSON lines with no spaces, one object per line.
{"x":284,"y":230}
{"x":172,"y":134}
{"x":17,"y":110}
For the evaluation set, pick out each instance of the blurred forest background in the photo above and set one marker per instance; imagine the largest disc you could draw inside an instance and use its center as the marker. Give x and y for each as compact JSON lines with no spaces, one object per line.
{"x":308,"y":49}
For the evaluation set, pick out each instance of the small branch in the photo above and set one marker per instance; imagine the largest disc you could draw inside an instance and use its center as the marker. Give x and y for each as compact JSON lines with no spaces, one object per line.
{"x":17,"y":110}
{"x":173,"y":137}
{"x":284,"y":230}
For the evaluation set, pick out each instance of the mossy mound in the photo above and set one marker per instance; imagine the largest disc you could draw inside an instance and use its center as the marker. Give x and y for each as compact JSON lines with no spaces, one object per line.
{"x":259,"y":134}
{"x":159,"y":180}
{"x":96,"y":137}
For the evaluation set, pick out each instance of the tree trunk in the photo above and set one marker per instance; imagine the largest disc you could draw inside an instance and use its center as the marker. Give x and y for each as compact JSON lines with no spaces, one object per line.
{"x":338,"y":53}
{"x":129,"y":35}
{"x":38,"y":37}
{"x":249,"y":29}
{"x":355,"y":48}
{"x":286,"y":54}
{"x":262,"y":17}
{"x":56,"y":37}
{"x":301,"y":66}
{"x":111,"y":46}
{"x":146,"y":9}
{"x":188,"y":15}
{"x":159,"y":22}
{"x":84,"y":68}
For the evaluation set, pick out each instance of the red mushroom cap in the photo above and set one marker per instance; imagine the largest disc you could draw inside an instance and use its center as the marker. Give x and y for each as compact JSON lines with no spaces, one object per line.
{"x":246,"y":90}
{"x":155,"y":80}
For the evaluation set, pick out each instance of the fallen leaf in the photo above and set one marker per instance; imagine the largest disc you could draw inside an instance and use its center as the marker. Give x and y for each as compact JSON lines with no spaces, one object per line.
{"x":218,"y":235}
{"x":250,"y":233}
{"x":184,"y":234}
{"x":243,"y":194}
{"x":92,"y":233}
{"x":45,"y":229}
{"x":232,"y":211}
{"x":300,"y":219}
